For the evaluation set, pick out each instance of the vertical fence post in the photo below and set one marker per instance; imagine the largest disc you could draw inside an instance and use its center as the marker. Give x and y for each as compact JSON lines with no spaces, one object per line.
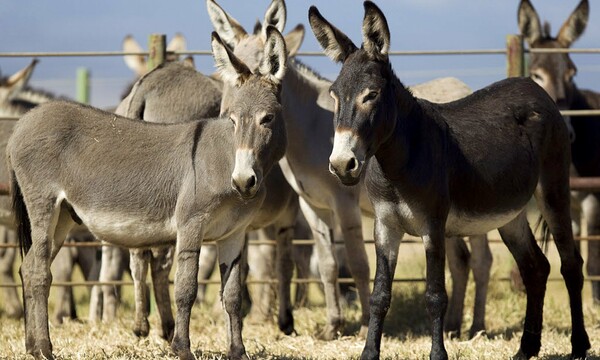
{"x":515,"y":56}
{"x":83,"y":85}
{"x":157,"y":47}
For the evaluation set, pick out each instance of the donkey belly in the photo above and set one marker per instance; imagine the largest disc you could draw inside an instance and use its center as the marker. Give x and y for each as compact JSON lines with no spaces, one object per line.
{"x":464,"y":224}
{"x":128,"y":230}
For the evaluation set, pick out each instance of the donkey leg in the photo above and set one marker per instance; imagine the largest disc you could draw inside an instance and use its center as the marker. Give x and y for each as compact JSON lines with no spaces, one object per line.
{"x":230,"y":263}
{"x":112,"y":270}
{"x":481,"y":263}
{"x":12,"y":304}
{"x":534,"y":269}
{"x":301,"y":255}
{"x":62,"y":269}
{"x":285,"y":271}
{"x":328,"y":270}
{"x":591,"y":209}
{"x":138,"y":263}
{"x":161,"y":264}
{"x":554,"y":205}
{"x":186,"y":287}
{"x":458,"y":263}
{"x":349,"y":217}
{"x":436,"y":298}
{"x":208,"y":260}
{"x":387,"y":242}
{"x":261,"y":259}
{"x":48,"y":233}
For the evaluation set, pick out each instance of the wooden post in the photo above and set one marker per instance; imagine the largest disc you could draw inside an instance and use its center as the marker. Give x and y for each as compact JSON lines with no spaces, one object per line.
{"x":83,"y":85}
{"x":515,"y":56}
{"x":157,"y":47}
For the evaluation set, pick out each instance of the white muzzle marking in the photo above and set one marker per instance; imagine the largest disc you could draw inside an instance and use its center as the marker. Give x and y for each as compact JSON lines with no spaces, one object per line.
{"x":244,"y":178}
{"x":347,"y":157}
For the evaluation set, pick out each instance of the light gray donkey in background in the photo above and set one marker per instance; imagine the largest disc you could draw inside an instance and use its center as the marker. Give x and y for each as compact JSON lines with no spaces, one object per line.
{"x":138,"y":184}
{"x":308,"y":112}
{"x":16,"y":98}
{"x":175,"y":93}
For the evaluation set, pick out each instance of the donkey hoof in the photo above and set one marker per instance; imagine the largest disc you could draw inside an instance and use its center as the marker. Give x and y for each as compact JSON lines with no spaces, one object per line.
{"x":142,"y":330}
{"x":181,"y":348}
{"x":330,"y":332}
{"x":168,"y":332}
{"x":362,"y":333}
{"x":520,"y":355}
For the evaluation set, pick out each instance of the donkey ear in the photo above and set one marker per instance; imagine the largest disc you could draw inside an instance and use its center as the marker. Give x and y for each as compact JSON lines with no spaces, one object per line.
{"x":334,"y":42}
{"x":228,"y":28}
{"x":177,"y":43}
{"x":529,"y":22}
{"x":276,"y":16}
{"x":137,"y":63}
{"x":575,"y":24}
{"x":293,"y":39}
{"x":274,"y":60}
{"x":376,"y":33}
{"x":257,"y":28}
{"x":16,"y":82}
{"x":231,"y":69}
{"x":189,"y":62}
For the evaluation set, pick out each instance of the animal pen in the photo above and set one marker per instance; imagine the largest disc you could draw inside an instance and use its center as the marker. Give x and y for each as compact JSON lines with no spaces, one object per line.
{"x":516,"y":61}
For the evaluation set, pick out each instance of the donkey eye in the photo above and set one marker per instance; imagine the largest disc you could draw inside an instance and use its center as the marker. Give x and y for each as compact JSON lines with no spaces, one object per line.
{"x":536,"y":77}
{"x":370,"y":96}
{"x":232,"y":120}
{"x":266,"y":119}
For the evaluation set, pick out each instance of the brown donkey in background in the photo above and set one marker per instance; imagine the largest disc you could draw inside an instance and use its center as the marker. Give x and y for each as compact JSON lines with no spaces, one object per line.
{"x":137,"y":184}
{"x":555,"y":73}
{"x":433,"y":171}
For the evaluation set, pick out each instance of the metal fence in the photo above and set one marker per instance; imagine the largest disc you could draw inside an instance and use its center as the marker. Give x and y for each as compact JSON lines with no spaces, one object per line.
{"x":515,"y":53}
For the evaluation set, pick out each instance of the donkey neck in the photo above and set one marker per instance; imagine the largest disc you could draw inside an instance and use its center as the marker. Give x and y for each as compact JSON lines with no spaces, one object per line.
{"x":410,"y":136}
{"x":307,"y":111}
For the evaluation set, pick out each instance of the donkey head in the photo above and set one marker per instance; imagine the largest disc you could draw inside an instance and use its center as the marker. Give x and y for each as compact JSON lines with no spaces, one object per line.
{"x":553,"y":72}
{"x":363,"y":91}
{"x":11,"y":86}
{"x":250,"y":47}
{"x":255,"y":110}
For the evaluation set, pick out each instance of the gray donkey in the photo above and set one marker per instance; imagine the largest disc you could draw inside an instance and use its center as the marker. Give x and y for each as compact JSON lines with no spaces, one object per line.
{"x":433,"y":171}
{"x":138,"y":184}
{"x":174,"y":93}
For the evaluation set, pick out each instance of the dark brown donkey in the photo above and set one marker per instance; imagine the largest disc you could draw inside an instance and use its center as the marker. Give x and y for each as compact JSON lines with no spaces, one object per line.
{"x":434,"y":171}
{"x":555,"y":73}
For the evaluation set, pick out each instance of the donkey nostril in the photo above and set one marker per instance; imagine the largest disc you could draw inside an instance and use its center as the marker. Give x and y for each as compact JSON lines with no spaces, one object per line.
{"x":352,"y":165}
{"x":251,"y":182}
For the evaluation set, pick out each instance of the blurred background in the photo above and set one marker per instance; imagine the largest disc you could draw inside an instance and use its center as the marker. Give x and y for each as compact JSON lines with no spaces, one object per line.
{"x":75,"y":25}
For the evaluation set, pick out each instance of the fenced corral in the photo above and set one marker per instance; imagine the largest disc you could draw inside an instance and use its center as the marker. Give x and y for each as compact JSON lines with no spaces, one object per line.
{"x":516,"y":60}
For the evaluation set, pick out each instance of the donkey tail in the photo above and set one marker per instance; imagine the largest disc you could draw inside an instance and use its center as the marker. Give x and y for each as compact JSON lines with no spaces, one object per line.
{"x":542,"y":225}
{"x":21,"y":215}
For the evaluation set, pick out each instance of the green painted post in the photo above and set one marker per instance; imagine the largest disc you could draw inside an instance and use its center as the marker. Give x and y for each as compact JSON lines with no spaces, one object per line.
{"x":83,"y":85}
{"x":157,"y":47}
{"x":515,"y":56}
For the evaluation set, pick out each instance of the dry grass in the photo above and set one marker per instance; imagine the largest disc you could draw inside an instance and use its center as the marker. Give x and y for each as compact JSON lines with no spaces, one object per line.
{"x":406,"y":328}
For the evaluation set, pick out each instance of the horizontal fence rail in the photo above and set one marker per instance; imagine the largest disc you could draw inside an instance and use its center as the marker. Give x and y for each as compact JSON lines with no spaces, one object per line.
{"x":253,"y":281}
{"x":299,"y":53}
{"x":88,"y":244}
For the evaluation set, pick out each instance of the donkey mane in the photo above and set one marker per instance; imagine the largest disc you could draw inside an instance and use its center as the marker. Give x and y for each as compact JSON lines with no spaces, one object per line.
{"x":307,"y":71}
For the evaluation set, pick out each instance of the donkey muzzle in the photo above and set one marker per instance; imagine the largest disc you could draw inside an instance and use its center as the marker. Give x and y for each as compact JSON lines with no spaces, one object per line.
{"x":245,"y":179}
{"x":346,"y":160}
